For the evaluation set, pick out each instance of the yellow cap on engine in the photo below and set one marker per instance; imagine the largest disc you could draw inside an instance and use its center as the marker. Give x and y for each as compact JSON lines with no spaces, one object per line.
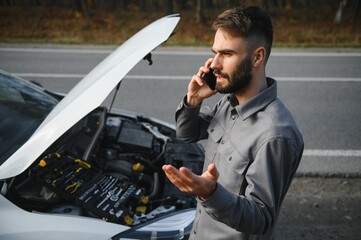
{"x":42,"y":163}
{"x":141,"y":209}
{"x":144,"y":199}
{"x":138,"y":167}
{"x":128,"y":220}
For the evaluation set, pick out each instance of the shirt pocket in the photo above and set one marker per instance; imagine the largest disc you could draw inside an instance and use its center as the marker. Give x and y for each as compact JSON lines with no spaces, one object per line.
{"x":215,"y":131}
{"x":215,"y":134}
{"x":232,"y":167}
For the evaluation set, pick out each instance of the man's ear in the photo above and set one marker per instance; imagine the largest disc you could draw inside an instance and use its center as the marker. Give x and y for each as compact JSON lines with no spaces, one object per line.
{"x":259,"y":57}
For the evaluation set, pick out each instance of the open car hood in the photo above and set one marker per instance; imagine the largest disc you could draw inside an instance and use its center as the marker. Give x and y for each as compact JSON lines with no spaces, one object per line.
{"x":89,"y":93}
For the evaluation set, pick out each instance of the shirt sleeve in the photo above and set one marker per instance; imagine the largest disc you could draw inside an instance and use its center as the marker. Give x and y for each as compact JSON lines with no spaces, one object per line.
{"x":268,"y":178}
{"x":192,"y":122}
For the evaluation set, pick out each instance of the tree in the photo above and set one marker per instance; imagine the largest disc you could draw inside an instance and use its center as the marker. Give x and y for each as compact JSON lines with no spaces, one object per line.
{"x":199,"y":12}
{"x":341,"y":11}
{"x":82,"y":6}
{"x":170,"y":8}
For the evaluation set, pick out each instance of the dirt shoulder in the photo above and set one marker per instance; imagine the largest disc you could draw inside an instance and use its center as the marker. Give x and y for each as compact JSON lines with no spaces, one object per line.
{"x":321,"y":208}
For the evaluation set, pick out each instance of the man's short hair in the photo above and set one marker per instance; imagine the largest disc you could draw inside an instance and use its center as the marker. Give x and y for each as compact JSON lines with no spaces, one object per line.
{"x":251,"y":23}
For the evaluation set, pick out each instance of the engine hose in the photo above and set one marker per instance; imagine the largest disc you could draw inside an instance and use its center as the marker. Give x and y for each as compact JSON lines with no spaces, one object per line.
{"x":156,"y":187}
{"x":120,"y":166}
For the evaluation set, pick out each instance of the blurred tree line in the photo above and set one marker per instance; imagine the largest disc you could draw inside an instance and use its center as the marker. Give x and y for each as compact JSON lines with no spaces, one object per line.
{"x":339,"y":7}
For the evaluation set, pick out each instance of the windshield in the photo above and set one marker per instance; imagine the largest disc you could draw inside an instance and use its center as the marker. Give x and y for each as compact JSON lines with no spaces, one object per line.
{"x":22,"y":108}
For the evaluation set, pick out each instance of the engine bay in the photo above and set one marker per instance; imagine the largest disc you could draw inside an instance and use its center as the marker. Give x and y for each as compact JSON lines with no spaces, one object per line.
{"x":109,"y":166}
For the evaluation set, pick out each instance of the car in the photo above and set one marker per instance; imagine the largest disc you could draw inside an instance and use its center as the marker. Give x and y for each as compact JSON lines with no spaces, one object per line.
{"x":72,"y":168}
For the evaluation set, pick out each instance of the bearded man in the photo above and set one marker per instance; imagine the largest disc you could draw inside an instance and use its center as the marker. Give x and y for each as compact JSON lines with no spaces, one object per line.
{"x":254,"y":145}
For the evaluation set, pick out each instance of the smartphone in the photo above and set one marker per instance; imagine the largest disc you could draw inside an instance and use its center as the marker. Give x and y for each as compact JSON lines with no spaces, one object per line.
{"x":210,"y":79}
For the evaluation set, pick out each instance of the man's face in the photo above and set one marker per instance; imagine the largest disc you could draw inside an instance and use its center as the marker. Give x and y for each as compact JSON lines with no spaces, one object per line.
{"x":232,"y":64}
{"x":238,"y":79}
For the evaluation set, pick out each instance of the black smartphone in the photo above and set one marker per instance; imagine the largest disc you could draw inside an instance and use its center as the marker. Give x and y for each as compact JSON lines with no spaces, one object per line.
{"x":210,"y":79}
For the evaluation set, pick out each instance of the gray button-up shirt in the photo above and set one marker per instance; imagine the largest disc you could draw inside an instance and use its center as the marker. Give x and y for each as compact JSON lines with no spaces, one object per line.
{"x":256,"y":147}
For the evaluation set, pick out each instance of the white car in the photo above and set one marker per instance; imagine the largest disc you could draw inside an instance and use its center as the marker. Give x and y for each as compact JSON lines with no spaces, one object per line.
{"x":73,"y":169}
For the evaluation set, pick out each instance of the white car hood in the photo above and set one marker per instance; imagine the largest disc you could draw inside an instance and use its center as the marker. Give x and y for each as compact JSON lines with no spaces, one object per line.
{"x":89,"y":93}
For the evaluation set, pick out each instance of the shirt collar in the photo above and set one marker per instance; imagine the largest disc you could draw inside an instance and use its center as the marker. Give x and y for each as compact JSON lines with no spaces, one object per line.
{"x":256,"y":103}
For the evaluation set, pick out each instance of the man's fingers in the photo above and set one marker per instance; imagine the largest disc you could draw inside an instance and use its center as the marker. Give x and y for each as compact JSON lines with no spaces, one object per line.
{"x":198,"y":79}
{"x":209,"y":62}
{"x":187,"y":173}
{"x":187,"y":181}
{"x":171,"y":172}
{"x":175,"y":176}
{"x":182,"y":178}
{"x":213,"y":172}
{"x":168,"y":168}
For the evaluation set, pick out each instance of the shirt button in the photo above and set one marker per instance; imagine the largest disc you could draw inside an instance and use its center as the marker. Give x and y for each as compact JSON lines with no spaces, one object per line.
{"x":233,"y":117}
{"x":230,"y":159}
{"x":212,"y":130}
{"x":222,"y":141}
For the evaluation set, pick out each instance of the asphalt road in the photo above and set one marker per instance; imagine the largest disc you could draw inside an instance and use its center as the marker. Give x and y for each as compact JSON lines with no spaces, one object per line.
{"x":321,"y":87}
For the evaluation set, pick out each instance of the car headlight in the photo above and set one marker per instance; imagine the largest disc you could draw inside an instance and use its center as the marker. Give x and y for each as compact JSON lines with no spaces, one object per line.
{"x":174,"y":226}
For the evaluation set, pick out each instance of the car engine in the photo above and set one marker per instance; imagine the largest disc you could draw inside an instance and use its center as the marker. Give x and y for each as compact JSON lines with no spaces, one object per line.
{"x":108,"y":166}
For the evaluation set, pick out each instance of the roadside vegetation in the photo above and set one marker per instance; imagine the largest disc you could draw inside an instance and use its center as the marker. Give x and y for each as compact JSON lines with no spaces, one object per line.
{"x":297,"y":23}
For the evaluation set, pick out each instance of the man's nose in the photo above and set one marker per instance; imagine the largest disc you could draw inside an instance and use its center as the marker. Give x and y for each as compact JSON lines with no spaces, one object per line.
{"x":216,"y":63}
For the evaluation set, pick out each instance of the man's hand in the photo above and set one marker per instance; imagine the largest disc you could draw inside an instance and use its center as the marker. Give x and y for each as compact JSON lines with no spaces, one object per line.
{"x":197,"y":88}
{"x":202,"y":186}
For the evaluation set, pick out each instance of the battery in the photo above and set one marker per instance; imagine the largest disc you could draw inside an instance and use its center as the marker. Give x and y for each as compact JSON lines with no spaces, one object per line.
{"x":135,"y":140}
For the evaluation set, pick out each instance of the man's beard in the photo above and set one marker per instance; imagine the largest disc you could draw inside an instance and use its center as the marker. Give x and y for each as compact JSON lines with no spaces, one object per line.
{"x":239,"y":80}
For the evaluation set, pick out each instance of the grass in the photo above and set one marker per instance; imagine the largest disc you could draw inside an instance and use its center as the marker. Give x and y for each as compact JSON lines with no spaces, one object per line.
{"x":66,"y":26}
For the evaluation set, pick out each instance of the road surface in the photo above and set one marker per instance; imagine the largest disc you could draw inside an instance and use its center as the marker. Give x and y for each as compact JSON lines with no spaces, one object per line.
{"x":321,"y":87}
